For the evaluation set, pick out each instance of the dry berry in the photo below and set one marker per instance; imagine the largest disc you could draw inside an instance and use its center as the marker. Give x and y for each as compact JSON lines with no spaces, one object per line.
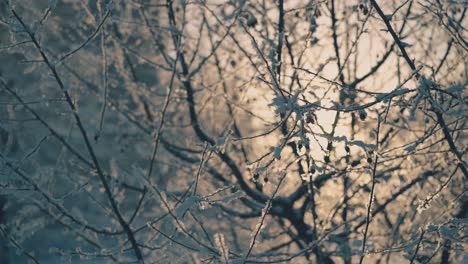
{"x":309,"y":119}
{"x":364,"y":9}
{"x":362,"y":115}
{"x":251,"y":20}
{"x":256,"y":176}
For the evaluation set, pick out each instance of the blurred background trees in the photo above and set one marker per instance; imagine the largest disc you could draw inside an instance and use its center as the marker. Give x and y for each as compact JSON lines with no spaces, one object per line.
{"x":233,"y":131}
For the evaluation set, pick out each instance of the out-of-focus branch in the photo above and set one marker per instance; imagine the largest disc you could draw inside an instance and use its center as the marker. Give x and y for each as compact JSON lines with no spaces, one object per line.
{"x":84,"y":134}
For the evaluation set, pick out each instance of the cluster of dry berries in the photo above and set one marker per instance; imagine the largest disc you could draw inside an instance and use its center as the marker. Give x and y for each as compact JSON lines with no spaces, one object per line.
{"x":310,"y":119}
{"x":312,"y":25}
{"x":364,"y":8}
{"x":256,"y":177}
{"x":369,"y":157}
